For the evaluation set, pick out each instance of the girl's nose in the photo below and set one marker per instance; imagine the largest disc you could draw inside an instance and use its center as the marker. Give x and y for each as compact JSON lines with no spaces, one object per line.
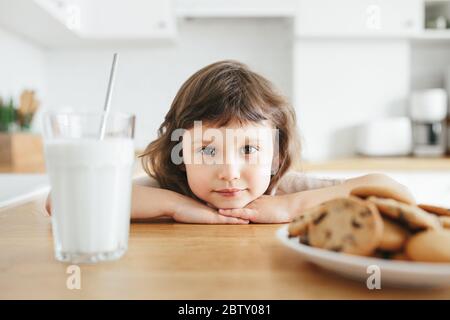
{"x":229,"y":172}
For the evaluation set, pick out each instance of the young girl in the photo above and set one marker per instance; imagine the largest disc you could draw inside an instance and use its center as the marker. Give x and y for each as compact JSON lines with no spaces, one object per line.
{"x":224,"y":154}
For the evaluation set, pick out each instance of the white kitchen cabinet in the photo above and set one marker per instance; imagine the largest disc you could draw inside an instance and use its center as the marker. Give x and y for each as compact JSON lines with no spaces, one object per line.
{"x":119,"y":19}
{"x":349,"y":18}
{"x":235,"y":8}
{"x":54,"y":23}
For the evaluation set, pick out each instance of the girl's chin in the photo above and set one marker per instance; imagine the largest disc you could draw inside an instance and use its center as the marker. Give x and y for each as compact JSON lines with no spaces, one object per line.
{"x":237,"y":204}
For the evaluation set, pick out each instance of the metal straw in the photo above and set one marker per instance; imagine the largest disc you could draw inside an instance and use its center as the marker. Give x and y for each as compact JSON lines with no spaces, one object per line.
{"x":108,"y":96}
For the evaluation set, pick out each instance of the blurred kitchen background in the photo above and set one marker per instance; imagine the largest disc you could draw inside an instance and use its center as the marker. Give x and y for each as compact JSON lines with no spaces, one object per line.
{"x":368,"y":78}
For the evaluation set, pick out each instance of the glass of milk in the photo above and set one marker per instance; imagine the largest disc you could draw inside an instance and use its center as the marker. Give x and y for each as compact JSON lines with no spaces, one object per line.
{"x":91,"y":182}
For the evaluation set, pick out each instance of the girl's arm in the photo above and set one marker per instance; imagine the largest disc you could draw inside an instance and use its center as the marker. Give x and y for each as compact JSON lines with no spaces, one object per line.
{"x":284,"y":208}
{"x":145,"y":202}
{"x":310,"y":198}
{"x":149,"y":202}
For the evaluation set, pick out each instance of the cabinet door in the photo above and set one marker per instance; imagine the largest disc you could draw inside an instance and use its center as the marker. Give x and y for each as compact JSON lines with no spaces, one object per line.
{"x":126,"y":19}
{"x":358,"y":17}
{"x":110,"y":19}
{"x":235,"y":8}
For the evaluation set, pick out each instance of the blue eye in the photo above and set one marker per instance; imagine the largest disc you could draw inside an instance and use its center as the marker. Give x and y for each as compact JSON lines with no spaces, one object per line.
{"x":249,"y":149}
{"x":209,"y":151}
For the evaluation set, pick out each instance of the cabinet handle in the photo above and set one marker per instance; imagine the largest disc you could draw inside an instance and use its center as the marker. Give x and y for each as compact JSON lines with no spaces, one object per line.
{"x":161,"y":25}
{"x":409,"y":23}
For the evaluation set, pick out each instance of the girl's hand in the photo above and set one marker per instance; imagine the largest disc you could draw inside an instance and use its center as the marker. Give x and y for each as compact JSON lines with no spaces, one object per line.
{"x":192,"y":211}
{"x":265,"y":209}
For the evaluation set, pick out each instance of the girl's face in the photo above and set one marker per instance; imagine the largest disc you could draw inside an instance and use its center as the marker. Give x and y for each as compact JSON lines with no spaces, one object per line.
{"x":229,"y":167}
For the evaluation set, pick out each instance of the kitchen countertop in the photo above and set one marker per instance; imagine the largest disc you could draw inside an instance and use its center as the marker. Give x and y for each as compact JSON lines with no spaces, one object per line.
{"x":385,"y":163}
{"x":353,"y":163}
{"x":174,"y":261}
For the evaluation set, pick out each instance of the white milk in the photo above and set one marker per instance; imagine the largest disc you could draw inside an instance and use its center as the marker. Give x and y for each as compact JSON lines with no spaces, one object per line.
{"x":91,"y":196}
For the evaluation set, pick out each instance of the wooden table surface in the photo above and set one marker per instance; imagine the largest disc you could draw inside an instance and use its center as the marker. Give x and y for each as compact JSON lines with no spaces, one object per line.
{"x":173,"y":261}
{"x":167,"y":260}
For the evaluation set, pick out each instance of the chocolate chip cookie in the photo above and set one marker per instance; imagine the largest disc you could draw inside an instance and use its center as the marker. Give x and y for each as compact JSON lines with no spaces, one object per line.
{"x":299,"y":225}
{"x":413,"y":216}
{"x":348,"y":225}
{"x":440,"y":211}
{"x":394,"y":236}
{"x":445,"y":222}
{"x":429,"y":246}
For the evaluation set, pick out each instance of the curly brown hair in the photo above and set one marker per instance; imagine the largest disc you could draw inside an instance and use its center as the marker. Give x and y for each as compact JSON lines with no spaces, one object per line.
{"x":219,"y":94}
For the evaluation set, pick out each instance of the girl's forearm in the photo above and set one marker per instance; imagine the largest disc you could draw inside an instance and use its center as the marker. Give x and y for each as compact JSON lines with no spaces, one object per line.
{"x":310,"y":198}
{"x":300,"y":201}
{"x":148,"y":202}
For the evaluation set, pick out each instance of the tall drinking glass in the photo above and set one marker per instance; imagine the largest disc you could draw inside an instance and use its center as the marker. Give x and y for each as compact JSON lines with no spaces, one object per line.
{"x":91,"y":182}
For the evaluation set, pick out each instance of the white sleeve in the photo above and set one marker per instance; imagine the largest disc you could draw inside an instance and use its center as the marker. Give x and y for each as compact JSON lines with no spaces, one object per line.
{"x":146,"y":181}
{"x":294,"y":181}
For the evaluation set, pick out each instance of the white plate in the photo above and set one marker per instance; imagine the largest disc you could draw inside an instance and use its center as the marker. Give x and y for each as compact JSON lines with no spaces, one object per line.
{"x":393,"y":273}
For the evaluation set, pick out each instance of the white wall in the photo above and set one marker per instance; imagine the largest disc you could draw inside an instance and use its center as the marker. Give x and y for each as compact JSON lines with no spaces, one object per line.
{"x":22,"y":66}
{"x":341,"y":83}
{"x":429,"y":62}
{"x":334,"y":84}
{"x":148,"y":78}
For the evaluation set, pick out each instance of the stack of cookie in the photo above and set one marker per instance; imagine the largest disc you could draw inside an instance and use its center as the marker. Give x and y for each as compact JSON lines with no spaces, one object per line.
{"x":375,"y":221}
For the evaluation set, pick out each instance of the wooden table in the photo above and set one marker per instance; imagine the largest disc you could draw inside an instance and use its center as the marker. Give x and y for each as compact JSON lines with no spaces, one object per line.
{"x":173,"y":261}
{"x":166,"y":260}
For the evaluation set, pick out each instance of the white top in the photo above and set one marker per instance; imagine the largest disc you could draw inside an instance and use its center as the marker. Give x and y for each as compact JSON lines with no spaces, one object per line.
{"x":292,"y":181}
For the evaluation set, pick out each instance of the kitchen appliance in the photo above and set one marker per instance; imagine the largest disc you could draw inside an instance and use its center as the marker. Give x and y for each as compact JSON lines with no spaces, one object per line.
{"x":385,"y":137}
{"x":428,"y":112}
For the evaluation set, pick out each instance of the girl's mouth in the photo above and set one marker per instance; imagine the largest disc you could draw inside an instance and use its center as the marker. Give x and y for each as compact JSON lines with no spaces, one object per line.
{"x":232,"y":192}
